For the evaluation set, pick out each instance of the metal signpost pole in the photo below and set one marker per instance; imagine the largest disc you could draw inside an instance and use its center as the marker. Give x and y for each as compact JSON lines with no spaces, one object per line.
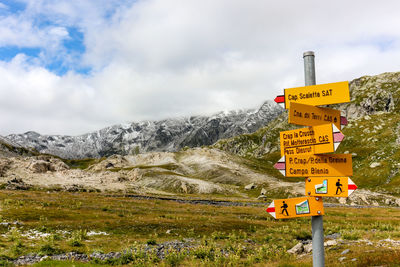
{"x":316,"y":221}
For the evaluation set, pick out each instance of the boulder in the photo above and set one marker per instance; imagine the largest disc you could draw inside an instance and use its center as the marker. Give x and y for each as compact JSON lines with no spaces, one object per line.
{"x":308,"y":248}
{"x":40,"y":166}
{"x":330,"y":243}
{"x":250,"y":186}
{"x":17,"y":184}
{"x":374,"y":165}
{"x":298,"y":249}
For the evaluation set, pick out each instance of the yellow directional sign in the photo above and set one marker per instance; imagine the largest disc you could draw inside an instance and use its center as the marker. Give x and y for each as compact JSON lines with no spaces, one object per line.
{"x":315,"y":165}
{"x":296,"y":207}
{"x":316,"y":95}
{"x":312,"y":140}
{"x":329,"y":186}
{"x":308,"y":115}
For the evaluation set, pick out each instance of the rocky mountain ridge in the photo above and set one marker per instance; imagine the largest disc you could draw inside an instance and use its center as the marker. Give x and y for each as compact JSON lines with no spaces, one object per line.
{"x":372,"y":135}
{"x":166,"y":135}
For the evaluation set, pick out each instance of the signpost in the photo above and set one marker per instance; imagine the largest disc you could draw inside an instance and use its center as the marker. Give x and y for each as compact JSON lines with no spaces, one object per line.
{"x":312,"y":140}
{"x":316,"y":95}
{"x":315,"y":165}
{"x":303,"y":152}
{"x":308,"y":115}
{"x":329,"y":186}
{"x":296,"y":207}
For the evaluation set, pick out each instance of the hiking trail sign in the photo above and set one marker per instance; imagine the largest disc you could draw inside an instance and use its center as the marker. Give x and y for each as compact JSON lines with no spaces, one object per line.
{"x":312,"y":140}
{"x":303,"y":152}
{"x":329,"y":186}
{"x":307,"y":115}
{"x":315,"y":165}
{"x":316,"y":95}
{"x":296,"y":207}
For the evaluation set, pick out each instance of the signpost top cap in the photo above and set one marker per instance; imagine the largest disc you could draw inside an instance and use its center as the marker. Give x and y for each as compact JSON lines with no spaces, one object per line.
{"x":308,"y":53}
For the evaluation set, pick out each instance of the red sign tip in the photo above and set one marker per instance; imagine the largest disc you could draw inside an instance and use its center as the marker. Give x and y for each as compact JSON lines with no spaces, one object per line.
{"x":279,"y":99}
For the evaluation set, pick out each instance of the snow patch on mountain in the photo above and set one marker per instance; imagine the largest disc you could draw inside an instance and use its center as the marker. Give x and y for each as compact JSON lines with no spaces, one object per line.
{"x":165,"y":135}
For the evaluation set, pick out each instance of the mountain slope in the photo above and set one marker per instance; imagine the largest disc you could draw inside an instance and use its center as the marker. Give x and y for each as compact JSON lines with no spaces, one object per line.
{"x":372,"y":135}
{"x":11,"y":149}
{"x":166,"y":135}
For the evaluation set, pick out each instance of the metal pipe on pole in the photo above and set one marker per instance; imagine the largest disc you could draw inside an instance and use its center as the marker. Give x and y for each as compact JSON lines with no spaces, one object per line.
{"x":316,"y":221}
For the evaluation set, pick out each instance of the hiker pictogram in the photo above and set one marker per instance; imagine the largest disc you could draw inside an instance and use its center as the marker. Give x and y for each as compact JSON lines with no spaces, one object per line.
{"x":338,"y":187}
{"x":284,"y":208}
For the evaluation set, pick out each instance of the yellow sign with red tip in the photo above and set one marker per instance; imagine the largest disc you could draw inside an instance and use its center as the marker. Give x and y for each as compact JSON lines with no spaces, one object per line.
{"x":296,"y":207}
{"x":317,"y":95}
{"x":329,"y":186}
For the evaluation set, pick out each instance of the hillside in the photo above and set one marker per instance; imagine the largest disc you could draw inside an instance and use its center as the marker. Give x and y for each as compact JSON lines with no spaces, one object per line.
{"x":372,"y":135}
{"x":11,"y":149}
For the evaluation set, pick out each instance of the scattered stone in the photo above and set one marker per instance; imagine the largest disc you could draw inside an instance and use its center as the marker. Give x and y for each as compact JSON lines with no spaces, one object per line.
{"x":330,"y":243}
{"x":297,"y":249}
{"x":109,"y":165}
{"x":40,"y":166}
{"x":74,"y":188}
{"x":374,"y":164}
{"x":354,"y":259}
{"x":333,"y":236}
{"x":92,"y":233}
{"x":17,"y":184}
{"x":168,"y":231}
{"x":263,"y":194}
{"x":344,"y":252}
{"x":250,"y":186}
{"x":375,"y":204}
{"x":184,"y":187}
{"x":44,"y":258}
{"x":161,"y":250}
{"x":342,"y":259}
{"x":308,"y":248}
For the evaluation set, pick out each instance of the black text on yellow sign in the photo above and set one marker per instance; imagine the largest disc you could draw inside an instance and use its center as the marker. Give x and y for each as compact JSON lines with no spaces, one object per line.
{"x":315,"y":165}
{"x":316,"y":95}
{"x":308,"y":115}
{"x":312,"y":140}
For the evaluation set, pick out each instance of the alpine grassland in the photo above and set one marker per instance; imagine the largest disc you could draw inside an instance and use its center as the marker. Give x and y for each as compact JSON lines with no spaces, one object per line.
{"x":156,"y":232}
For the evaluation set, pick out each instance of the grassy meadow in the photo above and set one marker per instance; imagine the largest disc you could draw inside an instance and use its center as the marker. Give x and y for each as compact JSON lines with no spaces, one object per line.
{"x":49,"y":223}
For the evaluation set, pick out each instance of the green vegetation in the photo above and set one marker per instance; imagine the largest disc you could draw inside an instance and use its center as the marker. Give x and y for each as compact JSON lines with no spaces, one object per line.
{"x":60,"y":222}
{"x":81,"y":163}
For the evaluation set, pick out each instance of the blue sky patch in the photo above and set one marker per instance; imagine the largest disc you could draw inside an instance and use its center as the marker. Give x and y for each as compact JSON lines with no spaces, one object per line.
{"x":75,"y":42}
{"x":9,"y":52}
{"x":12,"y":6}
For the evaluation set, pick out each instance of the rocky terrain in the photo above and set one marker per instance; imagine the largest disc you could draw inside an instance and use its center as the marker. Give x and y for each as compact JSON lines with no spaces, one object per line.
{"x":166,"y":135}
{"x":372,"y":135}
{"x":238,"y":166}
{"x":195,"y":171}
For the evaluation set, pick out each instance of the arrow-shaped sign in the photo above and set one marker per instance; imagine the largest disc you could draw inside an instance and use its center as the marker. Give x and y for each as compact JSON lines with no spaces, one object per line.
{"x":296,"y":207}
{"x":312,"y":140}
{"x":316,"y":95}
{"x":308,"y":115}
{"x":329,"y":186}
{"x":315,"y":165}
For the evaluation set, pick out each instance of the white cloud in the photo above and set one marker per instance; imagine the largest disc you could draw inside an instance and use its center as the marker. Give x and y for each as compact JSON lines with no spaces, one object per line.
{"x":154,"y":59}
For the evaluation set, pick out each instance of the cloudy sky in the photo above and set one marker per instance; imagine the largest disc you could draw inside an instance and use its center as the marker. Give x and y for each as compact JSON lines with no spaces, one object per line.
{"x":73,"y":66}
